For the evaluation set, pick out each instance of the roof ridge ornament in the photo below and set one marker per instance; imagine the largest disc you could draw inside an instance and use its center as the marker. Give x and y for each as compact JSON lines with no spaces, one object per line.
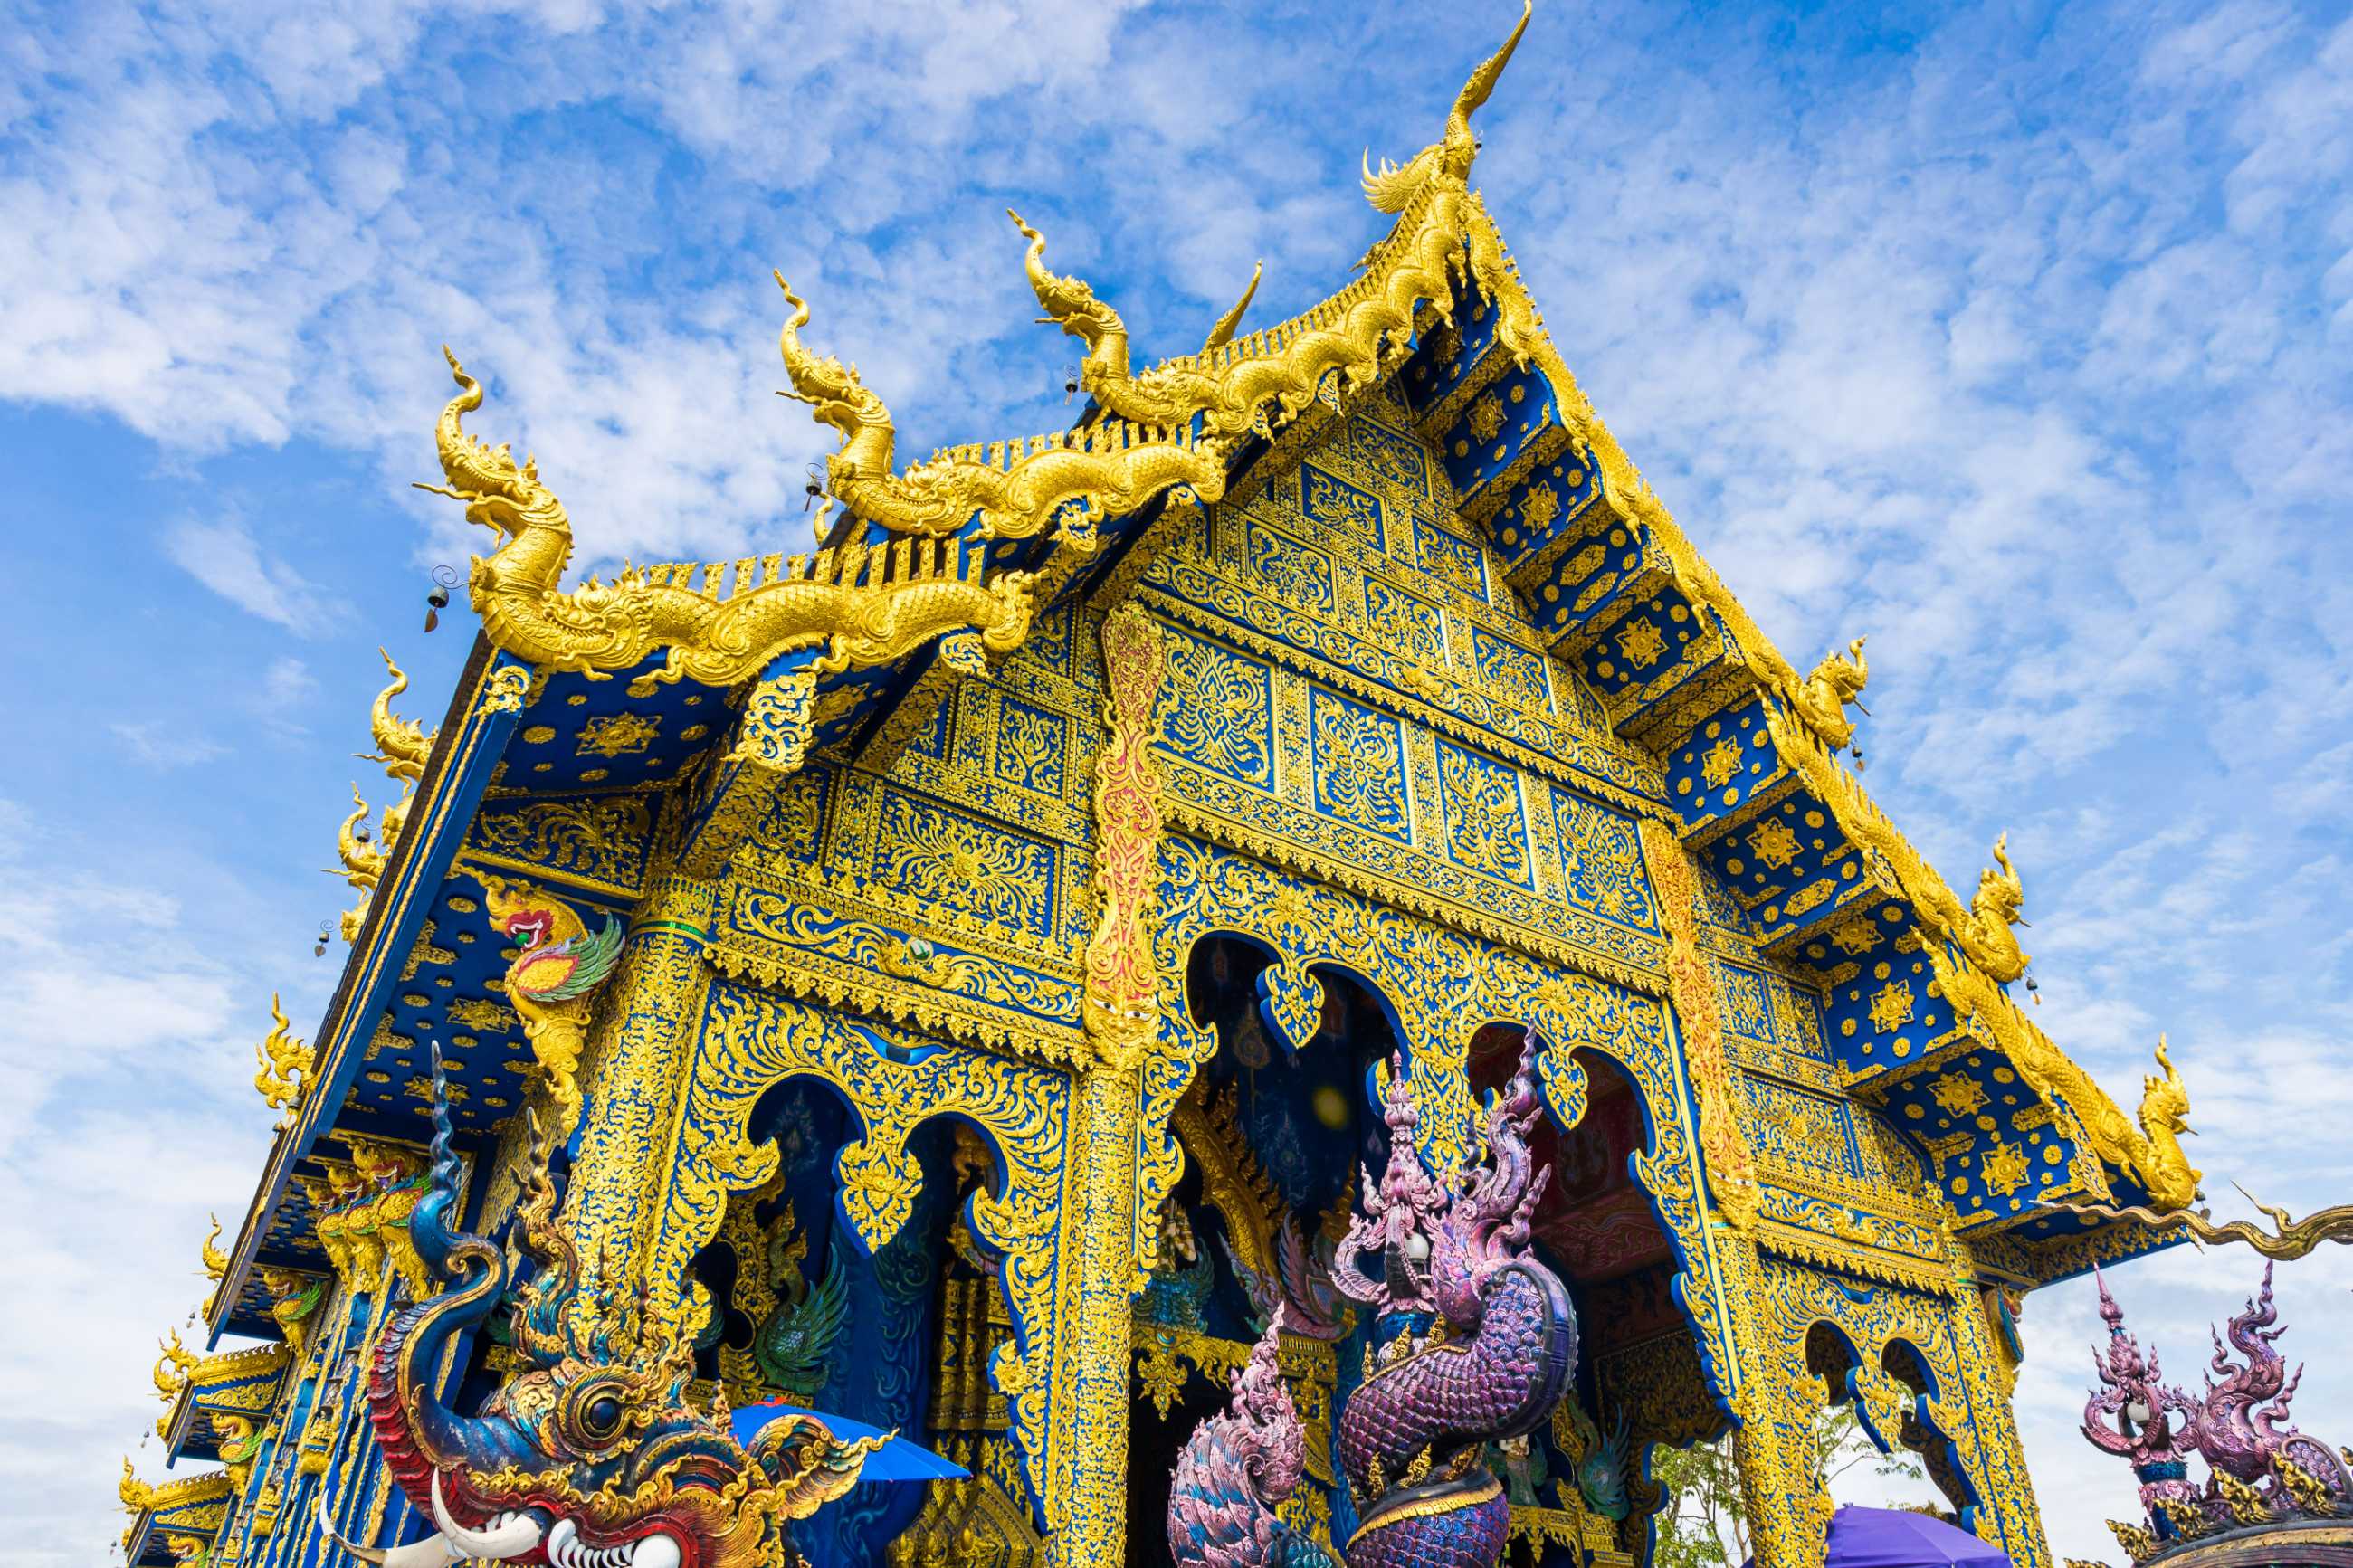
{"x":864,"y":608}
{"x":1391,"y":187}
{"x":1223,"y":332}
{"x":1063,"y":486}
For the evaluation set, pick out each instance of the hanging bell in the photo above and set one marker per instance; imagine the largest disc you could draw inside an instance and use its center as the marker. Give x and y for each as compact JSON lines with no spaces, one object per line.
{"x":326,"y":935}
{"x":1069,"y":381}
{"x":437,"y":599}
{"x":361,"y":835}
{"x":1856,"y":752}
{"x":814,"y":489}
{"x":2034,"y":991}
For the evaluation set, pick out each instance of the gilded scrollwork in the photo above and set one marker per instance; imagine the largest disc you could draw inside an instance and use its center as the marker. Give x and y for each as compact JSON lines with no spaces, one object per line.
{"x":752,"y":1041}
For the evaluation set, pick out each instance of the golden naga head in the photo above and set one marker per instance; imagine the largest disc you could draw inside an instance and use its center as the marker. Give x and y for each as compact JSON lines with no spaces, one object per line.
{"x":401,"y":744}
{"x":498,"y":495}
{"x":2164,"y":1101}
{"x":1068,"y":303}
{"x":833,"y":392}
{"x":2001,"y":893}
{"x":1389,"y":187}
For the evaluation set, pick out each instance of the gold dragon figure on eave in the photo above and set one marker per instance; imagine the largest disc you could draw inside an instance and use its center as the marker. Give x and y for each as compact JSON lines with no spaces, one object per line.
{"x":864,"y":607}
{"x":1248,"y":387}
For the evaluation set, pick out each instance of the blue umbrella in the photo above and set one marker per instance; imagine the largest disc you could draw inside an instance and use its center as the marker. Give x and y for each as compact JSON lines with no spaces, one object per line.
{"x":896,"y":1461}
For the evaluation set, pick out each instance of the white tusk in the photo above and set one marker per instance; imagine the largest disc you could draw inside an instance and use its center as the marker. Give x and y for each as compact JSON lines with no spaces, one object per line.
{"x":433,"y":1551}
{"x":561,"y":1536}
{"x":510,"y":1535}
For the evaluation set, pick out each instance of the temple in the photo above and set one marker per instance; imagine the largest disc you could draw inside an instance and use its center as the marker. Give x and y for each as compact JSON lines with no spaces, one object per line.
{"x":951,"y":995}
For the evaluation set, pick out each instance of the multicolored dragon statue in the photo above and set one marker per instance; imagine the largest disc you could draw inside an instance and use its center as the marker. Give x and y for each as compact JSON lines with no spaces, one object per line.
{"x":1237,"y":1468}
{"x":592,"y":1458}
{"x":1474,"y":1344}
{"x":2132,"y":1415}
{"x":2267,"y":1481}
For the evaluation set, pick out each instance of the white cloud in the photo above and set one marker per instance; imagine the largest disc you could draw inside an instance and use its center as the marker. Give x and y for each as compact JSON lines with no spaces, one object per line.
{"x":161,"y":745}
{"x":226,"y":558}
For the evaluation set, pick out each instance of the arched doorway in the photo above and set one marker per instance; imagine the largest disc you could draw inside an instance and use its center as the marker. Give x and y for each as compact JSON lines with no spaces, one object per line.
{"x":1274,"y":1135}
{"x":1579,"y":1490}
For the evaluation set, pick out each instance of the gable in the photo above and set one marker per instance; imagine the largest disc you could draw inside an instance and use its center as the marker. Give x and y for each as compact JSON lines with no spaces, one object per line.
{"x":1353,"y":681}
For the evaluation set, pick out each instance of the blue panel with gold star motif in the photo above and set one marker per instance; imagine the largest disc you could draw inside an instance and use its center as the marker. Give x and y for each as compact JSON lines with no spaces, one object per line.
{"x":1722,"y":763}
{"x":1487,"y":437}
{"x":1446,"y":357}
{"x":1547,"y":513}
{"x":1791,"y":866}
{"x":1996,"y":1149}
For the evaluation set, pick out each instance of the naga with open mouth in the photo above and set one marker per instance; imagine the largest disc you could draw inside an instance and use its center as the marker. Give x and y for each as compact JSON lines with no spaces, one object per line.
{"x":592,"y":1458}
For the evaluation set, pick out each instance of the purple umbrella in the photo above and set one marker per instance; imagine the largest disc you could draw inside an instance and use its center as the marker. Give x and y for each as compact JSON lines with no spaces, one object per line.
{"x":1898,"y":1538}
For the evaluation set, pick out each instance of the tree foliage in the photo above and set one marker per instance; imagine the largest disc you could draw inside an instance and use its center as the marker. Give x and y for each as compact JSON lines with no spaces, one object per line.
{"x":1705,"y":1523}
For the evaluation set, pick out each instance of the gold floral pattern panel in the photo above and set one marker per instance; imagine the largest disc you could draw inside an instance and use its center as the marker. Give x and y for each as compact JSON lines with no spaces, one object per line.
{"x":1359,"y":558}
{"x":1273,"y":761}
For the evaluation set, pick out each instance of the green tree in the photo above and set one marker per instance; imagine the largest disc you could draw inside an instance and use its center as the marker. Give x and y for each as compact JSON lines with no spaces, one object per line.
{"x":1705,"y":1523}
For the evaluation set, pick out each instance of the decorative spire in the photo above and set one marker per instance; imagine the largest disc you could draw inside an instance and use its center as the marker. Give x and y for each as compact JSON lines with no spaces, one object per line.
{"x":1448,"y":160}
{"x":216,"y":1260}
{"x":401,"y":744}
{"x":1401,"y":1213}
{"x":1223,"y":332}
{"x":285,"y":1065}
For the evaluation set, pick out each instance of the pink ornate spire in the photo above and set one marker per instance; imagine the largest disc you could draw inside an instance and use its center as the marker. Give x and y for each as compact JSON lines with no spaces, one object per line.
{"x":1401,"y":1215}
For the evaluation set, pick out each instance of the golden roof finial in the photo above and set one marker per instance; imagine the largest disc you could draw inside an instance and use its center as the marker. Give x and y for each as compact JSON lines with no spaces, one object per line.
{"x":216,"y":1260}
{"x":401,"y":744}
{"x":285,"y":1065}
{"x":1389,"y":187}
{"x":1223,"y":332}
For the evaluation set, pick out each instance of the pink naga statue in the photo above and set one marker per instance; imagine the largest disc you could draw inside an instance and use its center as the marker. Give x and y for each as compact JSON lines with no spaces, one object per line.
{"x":1473,"y":1342}
{"x":2271,"y":1494}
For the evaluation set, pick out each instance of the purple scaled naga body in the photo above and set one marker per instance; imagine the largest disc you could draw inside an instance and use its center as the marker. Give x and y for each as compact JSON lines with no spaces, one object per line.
{"x":1237,"y":1468}
{"x":1473,"y":1342}
{"x":1496,"y":1357}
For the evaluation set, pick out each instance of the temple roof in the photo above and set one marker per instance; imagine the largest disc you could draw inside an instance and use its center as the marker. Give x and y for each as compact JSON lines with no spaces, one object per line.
{"x":582,"y":711}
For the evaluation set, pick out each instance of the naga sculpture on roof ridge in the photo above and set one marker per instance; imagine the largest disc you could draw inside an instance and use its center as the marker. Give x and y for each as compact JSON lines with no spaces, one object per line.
{"x":1353,"y":335}
{"x":401,"y":744}
{"x":592,"y":1458}
{"x":1069,"y":487}
{"x":1986,"y":935}
{"x":1391,"y":187}
{"x":864,"y":607}
{"x":1822,"y":701}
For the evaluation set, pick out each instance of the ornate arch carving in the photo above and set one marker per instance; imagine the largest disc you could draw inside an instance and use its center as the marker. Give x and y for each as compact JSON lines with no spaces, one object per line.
{"x":895,"y":1080}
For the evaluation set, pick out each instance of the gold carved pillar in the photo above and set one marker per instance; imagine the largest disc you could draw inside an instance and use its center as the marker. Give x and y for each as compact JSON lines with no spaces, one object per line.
{"x":1773,"y":1446}
{"x":1101,"y":1176}
{"x":638,"y":1060}
{"x":1996,"y":1462}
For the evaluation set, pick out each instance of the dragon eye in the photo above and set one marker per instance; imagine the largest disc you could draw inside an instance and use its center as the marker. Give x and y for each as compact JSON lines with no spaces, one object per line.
{"x":595,"y":1412}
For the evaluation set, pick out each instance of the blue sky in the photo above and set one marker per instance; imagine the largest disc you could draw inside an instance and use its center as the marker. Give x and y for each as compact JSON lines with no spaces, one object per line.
{"x":2016,"y":336}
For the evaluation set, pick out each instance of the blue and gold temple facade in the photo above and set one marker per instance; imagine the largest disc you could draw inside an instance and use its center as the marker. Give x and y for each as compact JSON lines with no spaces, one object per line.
{"x":1018,"y":902}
